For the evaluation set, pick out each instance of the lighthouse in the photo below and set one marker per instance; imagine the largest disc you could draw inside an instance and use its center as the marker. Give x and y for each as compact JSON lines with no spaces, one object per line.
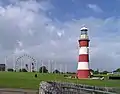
{"x":83,"y":70}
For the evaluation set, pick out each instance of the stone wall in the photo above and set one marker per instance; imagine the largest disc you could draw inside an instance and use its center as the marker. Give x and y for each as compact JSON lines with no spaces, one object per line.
{"x":71,"y":88}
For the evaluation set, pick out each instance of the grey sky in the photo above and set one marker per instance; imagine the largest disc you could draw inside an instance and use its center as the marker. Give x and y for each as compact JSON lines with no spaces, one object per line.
{"x":46,"y":39}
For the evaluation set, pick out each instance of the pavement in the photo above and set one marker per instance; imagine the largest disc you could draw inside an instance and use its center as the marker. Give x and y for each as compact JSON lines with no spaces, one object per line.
{"x":17,"y":91}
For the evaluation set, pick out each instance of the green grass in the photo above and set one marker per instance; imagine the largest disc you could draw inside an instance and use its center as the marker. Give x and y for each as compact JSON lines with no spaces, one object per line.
{"x":107,"y":75}
{"x":28,"y":81}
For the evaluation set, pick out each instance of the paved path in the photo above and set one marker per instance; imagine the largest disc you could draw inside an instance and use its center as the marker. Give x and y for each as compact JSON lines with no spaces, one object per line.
{"x":17,"y":91}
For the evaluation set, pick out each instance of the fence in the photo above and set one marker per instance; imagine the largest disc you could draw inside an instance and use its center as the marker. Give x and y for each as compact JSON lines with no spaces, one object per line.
{"x":70,"y":88}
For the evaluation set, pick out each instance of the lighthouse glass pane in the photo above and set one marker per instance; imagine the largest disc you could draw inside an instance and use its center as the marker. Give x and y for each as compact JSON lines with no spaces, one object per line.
{"x":83,"y":36}
{"x":83,"y":32}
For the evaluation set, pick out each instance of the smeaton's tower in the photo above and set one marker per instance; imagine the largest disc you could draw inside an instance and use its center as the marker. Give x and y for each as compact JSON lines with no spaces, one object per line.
{"x":83,"y":70}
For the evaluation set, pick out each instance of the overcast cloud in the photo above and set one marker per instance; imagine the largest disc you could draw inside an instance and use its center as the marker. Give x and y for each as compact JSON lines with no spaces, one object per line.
{"x":25,"y":27}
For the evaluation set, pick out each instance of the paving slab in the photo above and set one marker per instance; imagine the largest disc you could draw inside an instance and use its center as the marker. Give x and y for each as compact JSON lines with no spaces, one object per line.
{"x":17,"y":91}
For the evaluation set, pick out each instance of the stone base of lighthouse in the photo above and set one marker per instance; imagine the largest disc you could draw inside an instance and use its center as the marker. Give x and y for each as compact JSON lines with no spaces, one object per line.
{"x":83,"y":74}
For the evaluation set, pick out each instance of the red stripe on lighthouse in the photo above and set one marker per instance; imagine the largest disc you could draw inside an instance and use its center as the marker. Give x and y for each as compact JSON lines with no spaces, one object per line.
{"x":83,"y":73}
{"x":83,"y":43}
{"x":83,"y":58}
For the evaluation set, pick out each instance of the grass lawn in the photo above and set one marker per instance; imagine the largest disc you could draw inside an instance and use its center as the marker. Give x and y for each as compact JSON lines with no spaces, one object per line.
{"x":28,"y":81}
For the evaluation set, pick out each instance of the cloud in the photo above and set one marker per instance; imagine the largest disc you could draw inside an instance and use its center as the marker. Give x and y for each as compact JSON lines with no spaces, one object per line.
{"x":47,"y":39}
{"x":20,"y":43}
{"x":95,"y":8}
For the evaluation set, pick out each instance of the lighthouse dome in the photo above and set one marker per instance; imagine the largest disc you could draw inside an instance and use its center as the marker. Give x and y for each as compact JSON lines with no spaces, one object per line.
{"x":84,"y":28}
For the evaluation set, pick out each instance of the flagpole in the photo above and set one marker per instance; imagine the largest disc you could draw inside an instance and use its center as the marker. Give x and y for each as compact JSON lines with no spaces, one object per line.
{"x":60,"y":68}
{"x":14,"y":62}
{"x":21,"y":62}
{"x":36,"y":66}
{"x":49,"y":67}
{"x":5,"y":63}
{"x":55,"y":67}
{"x":42,"y":66}
{"x":65,"y":68}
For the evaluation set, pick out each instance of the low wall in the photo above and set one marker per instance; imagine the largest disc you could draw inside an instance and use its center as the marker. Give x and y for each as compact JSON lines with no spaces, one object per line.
{"x":71,"y":88}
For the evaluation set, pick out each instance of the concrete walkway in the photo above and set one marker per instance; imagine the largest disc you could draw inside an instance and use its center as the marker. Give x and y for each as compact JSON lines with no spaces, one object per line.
{"x":17,"y":91}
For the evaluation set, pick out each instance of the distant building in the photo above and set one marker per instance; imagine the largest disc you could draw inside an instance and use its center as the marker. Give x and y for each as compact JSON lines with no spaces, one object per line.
{"x":2,"y":67}
{"x":113,"y":73}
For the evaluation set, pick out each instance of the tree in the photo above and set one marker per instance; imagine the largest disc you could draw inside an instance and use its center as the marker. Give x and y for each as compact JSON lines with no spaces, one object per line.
{"x":70,"y":72}
{"x":56,"y":71}
{"x":105,"y":72}
{"x":23,"y":70}
{"x":91,"y":70}
{"x":96,"y":72}
{"x":43,"y":69}
{"x":117,"y":70}
{"x":10,"y":69}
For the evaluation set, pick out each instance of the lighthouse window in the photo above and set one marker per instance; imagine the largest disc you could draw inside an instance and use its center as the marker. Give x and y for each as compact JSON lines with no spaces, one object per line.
{"x":83,"y":32}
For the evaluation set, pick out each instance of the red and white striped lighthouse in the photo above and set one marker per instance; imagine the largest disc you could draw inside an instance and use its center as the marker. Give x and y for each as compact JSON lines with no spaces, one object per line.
{"x":83,"y":70}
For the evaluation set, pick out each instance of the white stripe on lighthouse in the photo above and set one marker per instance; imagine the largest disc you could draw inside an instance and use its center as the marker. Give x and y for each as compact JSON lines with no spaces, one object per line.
{"x":83,"y":50}
{"x":82,"y":66}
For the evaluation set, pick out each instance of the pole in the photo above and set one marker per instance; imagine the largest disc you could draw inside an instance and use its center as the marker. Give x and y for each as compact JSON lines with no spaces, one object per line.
{"x":21,"y":64}
{"x":5,"y":63}
{"x":42,"y":66}
{"x":65,"y":68}
{"x":55,"y":67}
{"x":36,"y":66}
{"x":49,"y":67}
{"x":29,"y":65}
{"x":14,"y":62}
{"x":60,"y":68}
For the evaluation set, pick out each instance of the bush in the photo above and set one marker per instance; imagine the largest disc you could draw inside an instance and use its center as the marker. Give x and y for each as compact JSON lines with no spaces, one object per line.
{"x":23,"y":70}
{"x":10,"y":70}
{"x":43,"y":69}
